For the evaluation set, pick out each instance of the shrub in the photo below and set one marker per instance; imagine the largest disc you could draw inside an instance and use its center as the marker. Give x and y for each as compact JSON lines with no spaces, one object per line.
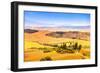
{"x":55,"y":45}
{"x":46,"y":59}
{"x":46,"y":51}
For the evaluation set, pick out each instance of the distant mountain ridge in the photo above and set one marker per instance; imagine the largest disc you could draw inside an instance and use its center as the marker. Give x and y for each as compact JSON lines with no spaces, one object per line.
{"x":69,"y":27}
{"x":74,"y":27}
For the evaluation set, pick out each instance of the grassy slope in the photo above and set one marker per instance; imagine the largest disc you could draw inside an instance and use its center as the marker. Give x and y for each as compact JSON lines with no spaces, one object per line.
{"x":35,"y":54}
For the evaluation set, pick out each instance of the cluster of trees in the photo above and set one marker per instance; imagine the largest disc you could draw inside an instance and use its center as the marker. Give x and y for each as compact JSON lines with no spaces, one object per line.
{"x":65,"y":47}
{"x":77,"y":47}
{"x":70,"y":48}
{"x":62,"y":48}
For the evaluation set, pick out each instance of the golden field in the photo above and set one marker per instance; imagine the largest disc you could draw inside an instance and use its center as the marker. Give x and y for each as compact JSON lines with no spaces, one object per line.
{"x":41,"y":47}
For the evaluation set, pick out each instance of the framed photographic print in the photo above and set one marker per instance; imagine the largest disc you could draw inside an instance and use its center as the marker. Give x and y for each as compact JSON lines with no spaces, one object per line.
{"x":52,"y":36}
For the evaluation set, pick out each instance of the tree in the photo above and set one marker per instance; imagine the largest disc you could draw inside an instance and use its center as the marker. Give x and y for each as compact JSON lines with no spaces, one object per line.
{"x":79,"y":48}
{"x":75,"y":46}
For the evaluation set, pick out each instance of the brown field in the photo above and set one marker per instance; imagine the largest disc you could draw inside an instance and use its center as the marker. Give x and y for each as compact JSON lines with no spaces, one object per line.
{"x":40,"y":46}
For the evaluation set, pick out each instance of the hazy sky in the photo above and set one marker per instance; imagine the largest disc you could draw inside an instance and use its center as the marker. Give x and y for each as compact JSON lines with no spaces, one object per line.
{"x":50,"y":19}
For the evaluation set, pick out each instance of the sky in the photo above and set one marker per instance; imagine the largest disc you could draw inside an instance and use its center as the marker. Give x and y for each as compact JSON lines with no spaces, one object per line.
{"x":54,"y":19}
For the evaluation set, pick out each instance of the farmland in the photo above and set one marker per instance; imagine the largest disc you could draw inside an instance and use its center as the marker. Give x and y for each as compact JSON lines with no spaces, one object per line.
{"x":44,"y":45}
